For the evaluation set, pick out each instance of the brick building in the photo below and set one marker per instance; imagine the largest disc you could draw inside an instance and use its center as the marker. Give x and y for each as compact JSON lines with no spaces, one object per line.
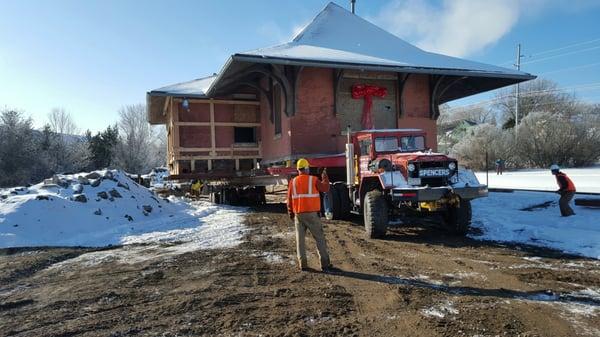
{"x":273,"y":105}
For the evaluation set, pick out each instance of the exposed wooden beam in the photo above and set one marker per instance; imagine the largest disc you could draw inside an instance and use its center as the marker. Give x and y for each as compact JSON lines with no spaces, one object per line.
{"x":240,"y":124}
{"x":213,"y":139}
{"x":219,"y":101}
{"x":207,"y":149}
{"x":213,"y":158}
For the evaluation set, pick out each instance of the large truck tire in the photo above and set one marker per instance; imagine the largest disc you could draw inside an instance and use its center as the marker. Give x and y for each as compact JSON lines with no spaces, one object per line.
{"x":375,"y":214}
{"x":458,"y":218}
{"x":344,"y":200}
{"x":334,"y":199}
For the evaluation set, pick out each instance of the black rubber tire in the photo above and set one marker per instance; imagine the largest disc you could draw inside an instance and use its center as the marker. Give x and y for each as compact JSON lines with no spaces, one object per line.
{"x":334,"y":198}
{"x":458,"y":219}
{"x":344,"y":200}
{"x":214,"y":197}
{"x":375,"y":212}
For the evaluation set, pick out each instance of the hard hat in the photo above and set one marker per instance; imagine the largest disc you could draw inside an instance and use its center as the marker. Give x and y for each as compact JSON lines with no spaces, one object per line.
{"x":302,"y":164}
{"x":554,"y":167}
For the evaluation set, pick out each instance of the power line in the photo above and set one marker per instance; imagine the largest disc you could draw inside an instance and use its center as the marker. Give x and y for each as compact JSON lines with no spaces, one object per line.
{"x":570,"y":68}
{"x":565,"y":47}
{"x":581,"y":87}
{"x":561,"y":55}
{"x":548,"y":51}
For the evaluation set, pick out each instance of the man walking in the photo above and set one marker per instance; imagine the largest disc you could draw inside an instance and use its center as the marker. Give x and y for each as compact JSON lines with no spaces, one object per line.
{"x":566,"y":189}
{"x":304,"y":205}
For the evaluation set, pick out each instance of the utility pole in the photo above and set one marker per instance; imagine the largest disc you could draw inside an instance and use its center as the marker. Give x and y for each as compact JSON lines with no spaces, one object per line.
{"x":352,"y":5}
{"x":518,"y":65}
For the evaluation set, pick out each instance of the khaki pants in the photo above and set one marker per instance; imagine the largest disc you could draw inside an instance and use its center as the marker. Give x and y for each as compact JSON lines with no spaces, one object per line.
{"x":312,"y":222}
{"x":563,"y":202}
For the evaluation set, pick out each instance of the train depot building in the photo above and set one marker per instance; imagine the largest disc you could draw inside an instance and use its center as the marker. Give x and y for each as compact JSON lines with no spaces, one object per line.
{"x":271,"y":106}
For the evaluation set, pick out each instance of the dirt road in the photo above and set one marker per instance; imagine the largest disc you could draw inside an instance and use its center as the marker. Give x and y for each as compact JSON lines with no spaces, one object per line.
{"x":416,"y":282}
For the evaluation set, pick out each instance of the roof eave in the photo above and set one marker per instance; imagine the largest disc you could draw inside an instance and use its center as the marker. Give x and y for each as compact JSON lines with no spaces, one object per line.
{"x":373,"y":67}
{"x":177,"y":95}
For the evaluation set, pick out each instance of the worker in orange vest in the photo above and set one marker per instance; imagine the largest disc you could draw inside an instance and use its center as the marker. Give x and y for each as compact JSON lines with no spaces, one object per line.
{"x":566,"y":189}
{"x":304,"y":205}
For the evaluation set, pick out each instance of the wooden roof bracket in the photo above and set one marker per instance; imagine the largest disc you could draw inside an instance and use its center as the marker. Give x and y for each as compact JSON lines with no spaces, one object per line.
{"x":278,"y":74}
{"x":434,"y":107}
{"x":402,"y":79}
{"x":338,"y":74}
{"x":166,"y":105}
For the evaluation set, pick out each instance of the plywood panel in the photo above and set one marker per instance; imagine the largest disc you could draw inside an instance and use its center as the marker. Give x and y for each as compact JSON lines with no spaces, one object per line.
{"x":350,"y":110}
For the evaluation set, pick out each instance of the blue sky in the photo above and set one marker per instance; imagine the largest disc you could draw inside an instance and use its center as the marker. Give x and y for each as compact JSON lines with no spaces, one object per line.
{"x":92,"y":57}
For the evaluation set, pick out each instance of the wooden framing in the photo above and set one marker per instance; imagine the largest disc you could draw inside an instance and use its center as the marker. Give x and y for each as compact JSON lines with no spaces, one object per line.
{"x":214,"y":153}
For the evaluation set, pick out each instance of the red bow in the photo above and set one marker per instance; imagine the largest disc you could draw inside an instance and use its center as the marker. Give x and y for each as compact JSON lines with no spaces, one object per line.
{"x":367,"y":91}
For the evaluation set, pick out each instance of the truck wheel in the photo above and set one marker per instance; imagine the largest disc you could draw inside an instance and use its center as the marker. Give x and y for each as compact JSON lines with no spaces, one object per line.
{"x":334,"y":199}
{"x":375,"y":214}
{"x":344,"y":200}
{"x":458,"y":219}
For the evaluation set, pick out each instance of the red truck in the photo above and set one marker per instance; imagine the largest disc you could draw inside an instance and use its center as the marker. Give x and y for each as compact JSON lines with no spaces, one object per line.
{"x":391,"y":173}
{"x":383,"y":174}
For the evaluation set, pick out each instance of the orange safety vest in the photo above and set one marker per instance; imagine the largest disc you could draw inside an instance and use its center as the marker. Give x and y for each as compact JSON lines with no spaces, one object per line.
{"x":305,"y":196}
{"x":570,"y":185}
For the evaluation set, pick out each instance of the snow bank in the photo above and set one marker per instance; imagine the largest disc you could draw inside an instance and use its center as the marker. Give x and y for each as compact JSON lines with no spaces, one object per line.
{"x":501,"y":218}
{"x":107,"y":208}
{"x":585,"y":179}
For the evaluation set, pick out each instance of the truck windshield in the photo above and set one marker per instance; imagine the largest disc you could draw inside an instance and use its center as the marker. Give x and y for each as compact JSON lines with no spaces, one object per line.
{"x":386,"y":144}
{"x":412,"y":143}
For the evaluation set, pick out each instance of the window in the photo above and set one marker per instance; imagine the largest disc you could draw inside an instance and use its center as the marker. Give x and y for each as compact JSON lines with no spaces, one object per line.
{"x":412,"y":143}
{"x":277,"y":108}
{"x":386,"y":144}
{"x":244,"y":135}
{"x":365,"y":147}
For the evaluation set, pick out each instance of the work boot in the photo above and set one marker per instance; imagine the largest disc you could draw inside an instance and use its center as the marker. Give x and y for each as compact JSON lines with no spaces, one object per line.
{"x":328,"y":268}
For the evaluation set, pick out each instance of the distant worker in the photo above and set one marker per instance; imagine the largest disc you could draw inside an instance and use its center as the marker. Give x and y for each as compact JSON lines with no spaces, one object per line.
{"x":196,"y":187}
{"x":304,"y":205}
{"x":499,"y":166}
{"x":566,"y":189}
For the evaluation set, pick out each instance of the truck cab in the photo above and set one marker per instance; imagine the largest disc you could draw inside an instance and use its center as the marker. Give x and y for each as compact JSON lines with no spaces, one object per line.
{"x":393,"y":172}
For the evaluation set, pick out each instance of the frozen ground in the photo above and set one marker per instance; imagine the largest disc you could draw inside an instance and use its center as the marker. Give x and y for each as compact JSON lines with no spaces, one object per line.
{"x":585,"y":179}
{"x":501,"y":218}
{"x":116,"y":211}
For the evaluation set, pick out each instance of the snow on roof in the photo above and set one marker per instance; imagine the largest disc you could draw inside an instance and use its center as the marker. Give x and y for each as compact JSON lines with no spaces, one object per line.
{"x":193,"y":88}
{"x":337,"y":36}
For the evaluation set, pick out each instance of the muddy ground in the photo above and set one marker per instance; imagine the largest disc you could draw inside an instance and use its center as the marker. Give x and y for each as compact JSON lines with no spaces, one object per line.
{"x":418,"y":281}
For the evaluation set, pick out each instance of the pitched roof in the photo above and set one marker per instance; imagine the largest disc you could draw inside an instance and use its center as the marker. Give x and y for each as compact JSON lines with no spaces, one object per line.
{"x":192,"y":89}
{"x":337,"y":36}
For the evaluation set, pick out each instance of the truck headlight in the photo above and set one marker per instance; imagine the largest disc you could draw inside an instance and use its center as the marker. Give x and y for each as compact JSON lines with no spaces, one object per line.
{"x":452,"y":165}
{"x":411,"y":167}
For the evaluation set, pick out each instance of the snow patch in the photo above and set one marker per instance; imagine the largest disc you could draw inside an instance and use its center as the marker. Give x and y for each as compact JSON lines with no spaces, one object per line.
{"x":499,"y":217}
{"x":440,"y":310}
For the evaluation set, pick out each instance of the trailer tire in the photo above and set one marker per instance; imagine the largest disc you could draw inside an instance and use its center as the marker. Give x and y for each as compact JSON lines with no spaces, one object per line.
{"x":375,"y":213}
{"x":214,"y":197}
{"x":344,"y":200}
{"x":458,"y":219}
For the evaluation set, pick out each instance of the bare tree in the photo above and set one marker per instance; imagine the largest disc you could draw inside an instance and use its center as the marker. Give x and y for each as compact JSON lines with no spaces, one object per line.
{"x":136,"y":146}
{"x":66,"y":151}
{"x":61,"y":122}
{"x":540,"y":95}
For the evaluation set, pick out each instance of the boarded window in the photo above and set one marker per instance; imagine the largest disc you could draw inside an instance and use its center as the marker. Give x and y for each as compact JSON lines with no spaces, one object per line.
{"x":350,"y":110}
{"x":244,"y":135}
{"x":277,"y":108}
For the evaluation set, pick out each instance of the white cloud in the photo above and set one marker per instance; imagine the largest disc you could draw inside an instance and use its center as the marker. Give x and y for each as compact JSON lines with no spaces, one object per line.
{"x":455,"y":27}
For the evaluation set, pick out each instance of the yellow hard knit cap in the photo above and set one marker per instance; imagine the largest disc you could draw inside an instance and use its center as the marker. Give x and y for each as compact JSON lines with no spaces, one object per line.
{"x":302,"y":164}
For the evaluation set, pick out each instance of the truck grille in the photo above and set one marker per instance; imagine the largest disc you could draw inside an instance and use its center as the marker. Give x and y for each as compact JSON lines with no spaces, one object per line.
{"x":432,"y":181}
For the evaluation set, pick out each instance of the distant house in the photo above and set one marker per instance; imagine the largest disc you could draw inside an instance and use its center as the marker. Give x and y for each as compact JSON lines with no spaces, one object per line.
{"x":450,"y":133}
{"x":273,"y":105}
